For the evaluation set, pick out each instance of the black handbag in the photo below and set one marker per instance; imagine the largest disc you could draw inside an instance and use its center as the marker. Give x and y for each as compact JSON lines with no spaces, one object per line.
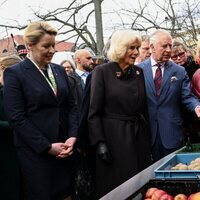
{"x":83,"y":180}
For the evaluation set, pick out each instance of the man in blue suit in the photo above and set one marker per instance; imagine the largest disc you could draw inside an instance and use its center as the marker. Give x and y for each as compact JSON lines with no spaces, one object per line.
{"x":164,"y":100}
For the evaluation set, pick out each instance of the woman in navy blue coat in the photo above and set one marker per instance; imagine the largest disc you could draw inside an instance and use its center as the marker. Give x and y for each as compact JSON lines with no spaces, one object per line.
{"x":43,"y":113}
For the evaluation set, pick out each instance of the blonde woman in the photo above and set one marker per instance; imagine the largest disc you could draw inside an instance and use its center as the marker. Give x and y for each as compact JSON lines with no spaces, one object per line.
{"x":42,"y":111}
{"x":117,"y":121}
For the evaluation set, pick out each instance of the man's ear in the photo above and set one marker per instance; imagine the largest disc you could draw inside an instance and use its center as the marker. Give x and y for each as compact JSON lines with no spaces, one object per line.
{"x":152,"y":48}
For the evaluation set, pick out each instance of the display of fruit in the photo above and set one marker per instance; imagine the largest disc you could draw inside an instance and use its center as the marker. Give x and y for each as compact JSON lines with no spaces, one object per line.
{"x":180,"y":197}
{"x":149,"y":192}
{"x":166,"y":197}
{"x":195,"y":196}
{"x":159,"y":194}
{"x":180,"y":166}
{"x":193,"y":165}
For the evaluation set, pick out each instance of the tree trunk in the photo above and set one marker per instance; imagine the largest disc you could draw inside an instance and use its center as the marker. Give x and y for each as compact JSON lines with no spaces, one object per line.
{"x":99,"y":26}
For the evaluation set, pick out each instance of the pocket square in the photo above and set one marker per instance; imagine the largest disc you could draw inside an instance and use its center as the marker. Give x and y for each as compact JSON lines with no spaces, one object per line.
{"x":174,"y":78}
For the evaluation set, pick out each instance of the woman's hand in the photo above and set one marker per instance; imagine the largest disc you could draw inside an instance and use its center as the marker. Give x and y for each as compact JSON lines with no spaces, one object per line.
{"x":56,"y":148}
{"x":68,"y":150}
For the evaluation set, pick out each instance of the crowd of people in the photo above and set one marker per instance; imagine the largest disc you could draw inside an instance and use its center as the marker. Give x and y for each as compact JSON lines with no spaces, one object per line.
{"x":120,"y":115}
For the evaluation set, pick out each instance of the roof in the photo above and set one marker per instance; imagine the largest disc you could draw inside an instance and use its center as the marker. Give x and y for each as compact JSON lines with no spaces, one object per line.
{"x":8,"y":44}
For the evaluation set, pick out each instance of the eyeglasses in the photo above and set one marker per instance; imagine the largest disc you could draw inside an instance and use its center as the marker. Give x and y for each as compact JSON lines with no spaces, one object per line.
{"x":180,"y":55}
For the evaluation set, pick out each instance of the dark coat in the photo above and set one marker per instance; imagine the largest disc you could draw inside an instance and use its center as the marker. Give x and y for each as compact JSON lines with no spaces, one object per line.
{"x":83,"y":141}
{"x":190,"y":66}
{"x":40,"y":118}
{"x":77,"y":86}
{"x":9,"y":167}
{"x":116,"y":117}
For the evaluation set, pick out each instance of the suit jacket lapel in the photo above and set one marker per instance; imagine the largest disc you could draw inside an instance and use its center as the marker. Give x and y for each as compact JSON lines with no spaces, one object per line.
{"x":165,"y":86}
{"x":35,"y":74}
{"x":149,"y":76}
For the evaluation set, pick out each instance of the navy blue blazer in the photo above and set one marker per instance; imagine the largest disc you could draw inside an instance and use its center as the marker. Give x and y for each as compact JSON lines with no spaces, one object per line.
{"x":35,"y":113}
{"x":164,"y":112}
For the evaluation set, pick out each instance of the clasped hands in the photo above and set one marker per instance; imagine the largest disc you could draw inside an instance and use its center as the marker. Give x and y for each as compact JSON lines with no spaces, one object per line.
{"x":63,"y":150}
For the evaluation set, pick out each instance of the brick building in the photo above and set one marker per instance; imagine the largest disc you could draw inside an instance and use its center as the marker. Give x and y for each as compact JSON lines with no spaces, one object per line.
{"x":7,"y":44}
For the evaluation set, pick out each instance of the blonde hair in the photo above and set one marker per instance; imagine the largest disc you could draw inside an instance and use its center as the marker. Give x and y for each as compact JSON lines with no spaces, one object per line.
{"x":119,"y":43}
{"x":9,"y":60}
{"x":36,"y":30}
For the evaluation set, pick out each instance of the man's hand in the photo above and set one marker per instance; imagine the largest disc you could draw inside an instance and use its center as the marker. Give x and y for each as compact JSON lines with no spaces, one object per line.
{"x":197,"y":111}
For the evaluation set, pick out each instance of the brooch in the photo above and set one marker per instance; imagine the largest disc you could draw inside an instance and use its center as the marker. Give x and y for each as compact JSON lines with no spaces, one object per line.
{"x":173,"y":78}
{"x":118,"y":74}
{"x":137,"y":72}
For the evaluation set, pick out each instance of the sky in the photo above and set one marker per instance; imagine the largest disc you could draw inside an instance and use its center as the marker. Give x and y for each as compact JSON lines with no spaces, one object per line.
{"x":14,"y":12}
{"x":20,"y":11}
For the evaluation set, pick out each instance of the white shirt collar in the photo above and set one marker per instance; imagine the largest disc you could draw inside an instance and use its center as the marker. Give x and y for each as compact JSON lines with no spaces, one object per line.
{"x":154,"y":63}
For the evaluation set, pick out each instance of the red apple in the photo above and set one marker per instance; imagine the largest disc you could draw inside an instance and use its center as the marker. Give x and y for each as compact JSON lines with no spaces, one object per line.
{"x":166,"y":197}
{"x":195,"y":196}
{"x":157,"y":194}
{"x":180,"y":197}
{"x":150,"y":191}
{"x":190,"y":197}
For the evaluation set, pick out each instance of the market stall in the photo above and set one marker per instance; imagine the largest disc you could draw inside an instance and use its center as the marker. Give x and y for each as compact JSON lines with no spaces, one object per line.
{"x":159,"y":175}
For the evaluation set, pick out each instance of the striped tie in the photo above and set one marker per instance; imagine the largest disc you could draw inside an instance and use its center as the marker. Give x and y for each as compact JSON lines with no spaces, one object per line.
{"x":158,"y":79}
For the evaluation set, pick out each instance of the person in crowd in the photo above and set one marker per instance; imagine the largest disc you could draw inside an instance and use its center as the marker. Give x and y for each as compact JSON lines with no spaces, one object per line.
{"x":42,"y":110}
{"x":97,"y":60}
{"x":196,"y":90}
{"x":67,"y":64}
{"x":22,"y":51}
{"x":180,"y":56}
{"x":117,"y":123}
{"x":84,"y":65}
{"x":167,"y":86}
{"x":197,"y":56}
{"x":105,"y":51}
{"x":196,"y":75}
{"x":144,"y":50}
{"x":196,"y":83}
{"x":10,"y":181}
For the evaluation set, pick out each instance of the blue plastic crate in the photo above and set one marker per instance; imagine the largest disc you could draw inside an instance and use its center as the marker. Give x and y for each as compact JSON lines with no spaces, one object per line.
{"x":164,"y":171}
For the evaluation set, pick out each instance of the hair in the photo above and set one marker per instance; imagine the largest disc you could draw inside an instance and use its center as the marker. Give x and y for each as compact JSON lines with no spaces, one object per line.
{"x":106,"y":48}
{"x":177,"y":44}
{"x":36,"y":30}
{"x":9,"y":60}
{"x":69,"y":61}
{"x":145,"y":38}
{"x":154,"y":36}
{"x":119,"y":43}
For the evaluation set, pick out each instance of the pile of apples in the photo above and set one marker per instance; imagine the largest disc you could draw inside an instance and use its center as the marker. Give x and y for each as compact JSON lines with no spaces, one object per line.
{"x":158,"y":194}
